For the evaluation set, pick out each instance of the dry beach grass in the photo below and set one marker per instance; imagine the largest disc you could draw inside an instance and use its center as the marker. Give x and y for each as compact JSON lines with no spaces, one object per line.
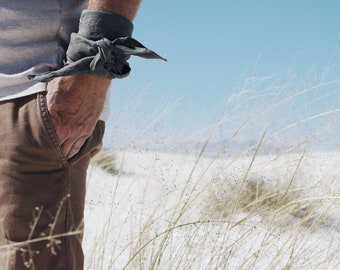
{"x":272,"y":203}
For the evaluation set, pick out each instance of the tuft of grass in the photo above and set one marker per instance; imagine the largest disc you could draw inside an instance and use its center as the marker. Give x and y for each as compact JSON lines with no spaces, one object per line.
{"x":105,"y":160}
{"x":257,"y":196}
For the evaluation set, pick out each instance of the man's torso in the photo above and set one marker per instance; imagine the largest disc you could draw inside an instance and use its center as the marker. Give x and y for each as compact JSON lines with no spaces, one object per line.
{"x":34,"y":37}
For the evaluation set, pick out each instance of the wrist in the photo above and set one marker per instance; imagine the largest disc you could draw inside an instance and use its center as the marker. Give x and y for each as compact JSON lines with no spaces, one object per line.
{"x":96,"y":25}
{"x":101,"y":47}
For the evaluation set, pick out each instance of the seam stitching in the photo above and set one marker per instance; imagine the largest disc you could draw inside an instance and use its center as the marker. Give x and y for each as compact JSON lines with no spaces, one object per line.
{"x":50,"y":130}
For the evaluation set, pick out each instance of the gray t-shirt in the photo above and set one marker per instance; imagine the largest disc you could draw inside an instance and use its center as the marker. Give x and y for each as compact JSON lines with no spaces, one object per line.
{"x":34,"y":38}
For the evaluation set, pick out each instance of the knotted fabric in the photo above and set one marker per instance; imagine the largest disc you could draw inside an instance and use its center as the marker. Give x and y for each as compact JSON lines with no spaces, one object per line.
{"x":98,"y":50}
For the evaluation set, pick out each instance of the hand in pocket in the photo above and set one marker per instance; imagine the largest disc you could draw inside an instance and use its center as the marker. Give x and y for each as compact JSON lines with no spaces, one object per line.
{"x":75,"y":104}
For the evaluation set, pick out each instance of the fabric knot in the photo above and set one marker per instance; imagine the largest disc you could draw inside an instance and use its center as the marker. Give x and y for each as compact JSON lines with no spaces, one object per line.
{"x":102,"y":57}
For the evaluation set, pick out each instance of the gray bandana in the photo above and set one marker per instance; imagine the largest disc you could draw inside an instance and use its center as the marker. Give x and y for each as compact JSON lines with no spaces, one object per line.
{"x":92,"y":52}
{"x":103,"y":58}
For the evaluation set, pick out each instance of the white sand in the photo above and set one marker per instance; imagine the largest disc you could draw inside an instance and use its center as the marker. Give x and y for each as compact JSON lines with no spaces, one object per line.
{"x":176,"y":213}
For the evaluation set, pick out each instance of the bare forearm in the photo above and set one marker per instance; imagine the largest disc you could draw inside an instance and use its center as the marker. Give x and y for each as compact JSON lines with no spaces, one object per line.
{"x":125,"y":8}
{"x":75,"y":102}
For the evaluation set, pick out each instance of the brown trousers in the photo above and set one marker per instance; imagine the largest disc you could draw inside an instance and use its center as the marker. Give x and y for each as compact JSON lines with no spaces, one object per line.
{"x":41,"y":192}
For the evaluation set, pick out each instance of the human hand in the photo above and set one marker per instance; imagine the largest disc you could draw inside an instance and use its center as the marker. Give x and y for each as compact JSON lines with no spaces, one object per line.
{"x":75,"y":104}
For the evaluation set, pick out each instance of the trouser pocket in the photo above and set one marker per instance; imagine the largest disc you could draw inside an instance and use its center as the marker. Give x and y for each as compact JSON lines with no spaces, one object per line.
{"x":91,"y":146}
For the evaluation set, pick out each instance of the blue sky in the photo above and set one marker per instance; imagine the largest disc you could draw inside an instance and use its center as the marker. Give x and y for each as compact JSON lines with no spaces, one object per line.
{"x":219,"y":49}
